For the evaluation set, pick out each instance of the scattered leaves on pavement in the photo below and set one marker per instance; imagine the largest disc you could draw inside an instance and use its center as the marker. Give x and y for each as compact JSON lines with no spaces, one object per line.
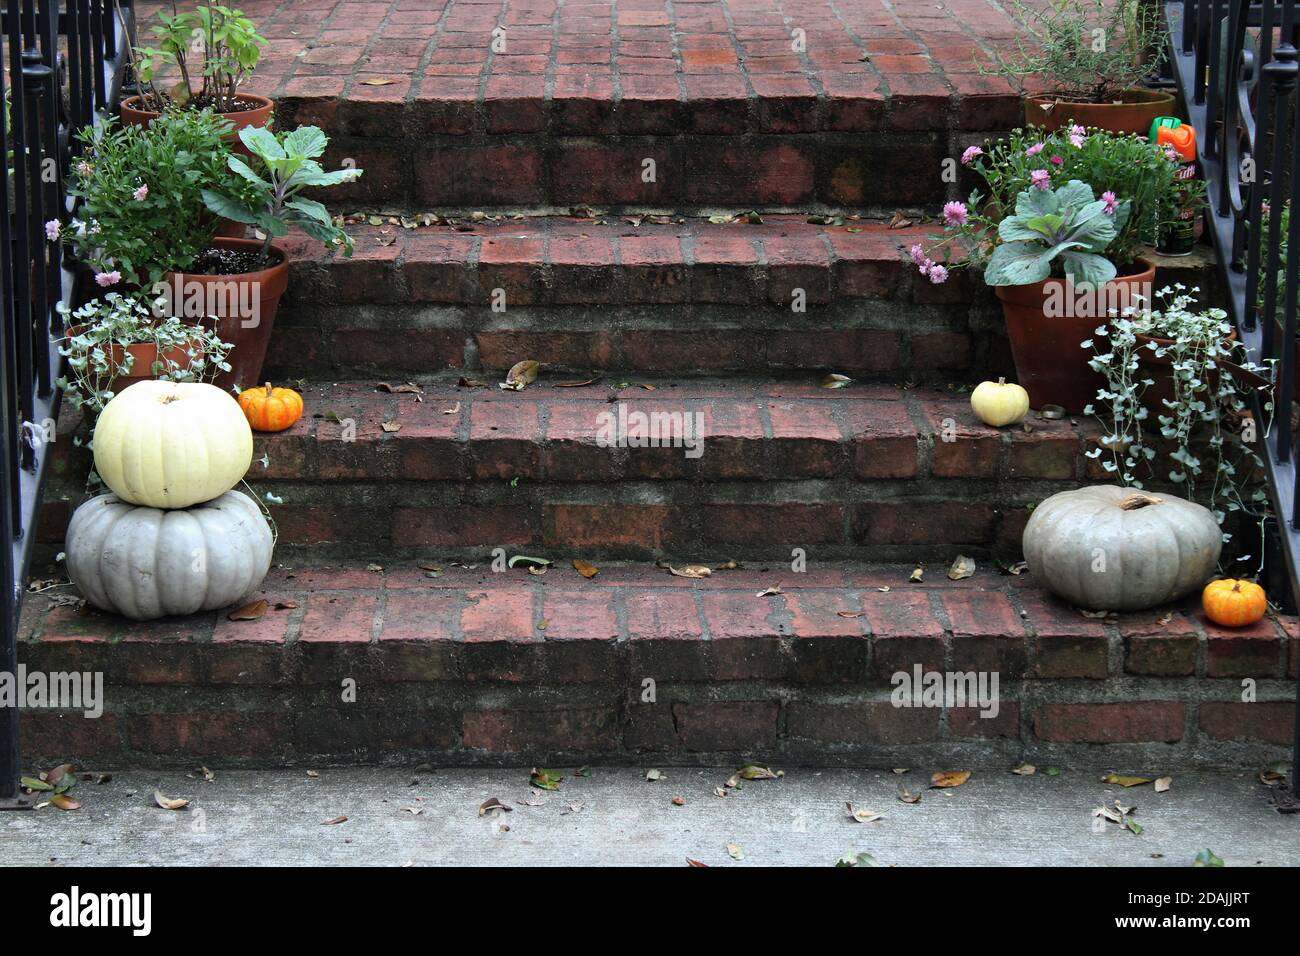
{"x":1207,"y":858}
{"x":1025,"y":770}
{"x":690,"y":571}
{"x":918,"y":575}
{"x":862,"y":816}
{"x":493,"y":804}
{"x":962,"y":568}
{"x":521,"y":375}
{"x":835,"y":380}
{"x":735,"y":852}
{"x":335,"y":822}
{"x":652,"y":774}
{"x":545,"y":779}
{"x":1163,"y":784}
{"x":1120,"y":780}
{"x":850,"y":858}
{"x":907,"y":796}
{"x":249,"y":612}
{"x":585,"y":568}
{"x":697,"y":864}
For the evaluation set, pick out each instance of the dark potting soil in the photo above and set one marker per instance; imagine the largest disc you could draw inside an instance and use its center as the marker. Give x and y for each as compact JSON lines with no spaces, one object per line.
{"x":227,"y":262}
{"x":238,"y":106}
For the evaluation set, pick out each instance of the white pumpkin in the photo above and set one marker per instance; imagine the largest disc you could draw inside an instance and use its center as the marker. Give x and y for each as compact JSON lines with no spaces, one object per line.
{"x":172,"y":444}
{"x":1118,"y":549}
{"x":145,"y":563}
{"x":999,"y":403}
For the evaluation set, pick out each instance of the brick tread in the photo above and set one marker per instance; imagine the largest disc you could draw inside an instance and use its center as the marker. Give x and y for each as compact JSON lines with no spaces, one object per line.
{"x":538,"y":666}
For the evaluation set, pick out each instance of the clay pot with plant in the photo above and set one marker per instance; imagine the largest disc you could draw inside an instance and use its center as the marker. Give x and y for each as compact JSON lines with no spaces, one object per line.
{"x":241,"y":281}
{"x":205,"y":54}
{"x":1088,"y":60}
{"x":114,"y":342}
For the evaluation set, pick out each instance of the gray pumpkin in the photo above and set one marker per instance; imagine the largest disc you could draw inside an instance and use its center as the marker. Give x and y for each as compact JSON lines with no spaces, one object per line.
{"x":1118,"y":549}
{"x":146,"y":563}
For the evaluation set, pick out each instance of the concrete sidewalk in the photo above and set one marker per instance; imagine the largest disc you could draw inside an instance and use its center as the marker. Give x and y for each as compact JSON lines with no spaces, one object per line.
{"x":614,"y":816}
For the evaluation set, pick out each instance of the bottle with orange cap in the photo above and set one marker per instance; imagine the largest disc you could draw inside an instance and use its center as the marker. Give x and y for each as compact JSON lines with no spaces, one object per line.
{"x":1176,"y":232}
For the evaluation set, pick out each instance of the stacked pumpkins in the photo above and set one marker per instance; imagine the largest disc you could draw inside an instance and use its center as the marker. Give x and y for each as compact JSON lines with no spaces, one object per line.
{"x":172,"y":538}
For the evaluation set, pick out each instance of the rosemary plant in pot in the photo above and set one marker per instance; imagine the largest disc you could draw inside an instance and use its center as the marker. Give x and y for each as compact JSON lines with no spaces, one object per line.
{"x":1089,"y":58}
{"x":241,"y":280}
{"x":1059,"y":236}
{"x":205,"y":55}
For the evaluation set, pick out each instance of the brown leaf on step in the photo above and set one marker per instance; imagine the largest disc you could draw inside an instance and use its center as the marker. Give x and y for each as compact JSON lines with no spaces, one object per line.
{"x":585,"y":568}
{"x":918,"y":575}
{"x":1163,"y":784}
{"x":1165,"y":619}
{"x":835,"y":380}
{"x":521,"y":375}
{"x":471,"y":383}
{"x":679,"y":801}
{"x":728,"y":565}
{"x":945,"y":779}
{"x":689,"y":571}
{"x":848,"y":613}
{"x":285,"y":605}
{"x":1025,"y":770}
{"x":493,"y":804}
{"x":697,"y":864}
{"x":962,"y":568}
{"x":453,"y":410}
{"x":391,"y":426}
{"x":1094,"y":614}
{"x":907,"y":796}
{"x":648,"y":388}
{"x":1122,"y":781}
{"x":536,"y":571}
{"x":249,"y":612}
{"x":900,"y":221}
{"x":169,"y":803}
{"x":57,"y":775}
{"x":335,"y":822}
{"x":64,"y":801}
{"x":377,"y":82}
{"x":770,"y":592}
{"x":375,"y":568}
{"x":590,"y":381}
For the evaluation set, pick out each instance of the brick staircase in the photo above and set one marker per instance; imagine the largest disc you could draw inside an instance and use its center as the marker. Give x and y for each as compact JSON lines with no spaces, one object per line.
{"x":652,"y":307}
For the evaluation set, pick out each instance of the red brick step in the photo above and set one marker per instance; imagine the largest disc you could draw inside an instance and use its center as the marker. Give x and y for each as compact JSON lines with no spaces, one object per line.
{"x":472,"y":666}
{"x":869,"y":470}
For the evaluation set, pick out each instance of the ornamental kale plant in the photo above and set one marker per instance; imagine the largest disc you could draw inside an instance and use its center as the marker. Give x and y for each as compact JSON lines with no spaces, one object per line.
{"x":287,"y":163}
{"x":140,"y":190}
{"x":1206,"y":427}
{"x":1067,"y":224}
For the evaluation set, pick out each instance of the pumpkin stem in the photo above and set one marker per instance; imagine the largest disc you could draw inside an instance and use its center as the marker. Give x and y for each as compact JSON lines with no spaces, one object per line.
{"x":1236,"y":586}
{"x":1002,"y":380}
{"x":268,"y":389}
{"x":1139,"y":500}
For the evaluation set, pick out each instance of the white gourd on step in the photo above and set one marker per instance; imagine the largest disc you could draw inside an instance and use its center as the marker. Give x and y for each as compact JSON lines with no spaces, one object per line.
{"x":146,"y":563}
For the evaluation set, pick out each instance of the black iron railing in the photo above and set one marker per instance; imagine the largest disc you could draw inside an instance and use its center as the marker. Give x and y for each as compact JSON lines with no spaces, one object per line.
{"x":62,"y":62}
{"x":1236,"y":66}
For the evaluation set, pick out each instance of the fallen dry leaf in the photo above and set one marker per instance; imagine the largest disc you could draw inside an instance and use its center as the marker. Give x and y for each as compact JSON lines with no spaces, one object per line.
{"x":918,"y":575}
{"x":168,"y":803}
{"x":335,"y":822}
{"x":862,"y":816}
{"x":1025,"y":770}
{"x":690,"y":571}
{"x":1123,"y":781}
{"x":1163,"y":784}
{"x":945,"y":779}
{"x":697,"y":864}
{"x":848,"y":613}
{"x":652,"y":774}
{"x":521,"y":375}
{"x":679,"y":801}
{"x":493,"y":804}
{"x":735,"y":852}
{"x":770,"y":592}
{"x":249,"y":612}
{"x":377,"y":82}
{"x":589,"y":381}
{"x":391,"y":426}
{"x":585,"y":568}
{"x":907,"y":796}
{"x":65,"y":801}
{"x":962,"y":568}
{"x":835,"y":380}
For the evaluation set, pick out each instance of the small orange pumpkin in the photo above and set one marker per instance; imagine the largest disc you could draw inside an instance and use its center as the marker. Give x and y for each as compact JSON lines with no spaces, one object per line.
{"x":1232,"y":603}
{"x":271,"y":409}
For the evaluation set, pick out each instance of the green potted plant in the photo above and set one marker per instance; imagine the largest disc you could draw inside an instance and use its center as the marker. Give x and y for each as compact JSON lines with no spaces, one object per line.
{"x":1059,"y":235}
{"x":139,"y":190}
{"x":1088,"y":59}
{"x":1174,"y":395}
{"x":241,"y":280}
{"x":205,"y":54}
{"x":115,"y":341}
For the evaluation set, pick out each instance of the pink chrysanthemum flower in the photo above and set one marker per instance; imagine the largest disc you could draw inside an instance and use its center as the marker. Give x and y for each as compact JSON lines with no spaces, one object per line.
{"x":1041,"y":179}
{"x":938,"y":274}
{"x":1111,"y":201}
{"x":1077,"y":134}
{"x":1034,"y":150}
{"x":52,"y":230}
{"x":970,"y":154}
{"x":140,"y":194}
{"x":1057,"y":160}
{"x":106,"y":279}
{"x":954,"y":214}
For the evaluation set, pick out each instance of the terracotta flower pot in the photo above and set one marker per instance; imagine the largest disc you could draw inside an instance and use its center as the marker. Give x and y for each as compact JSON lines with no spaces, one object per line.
{"x":1158,"y":368}
{"x":143,"y":355}
{"x":244,"y":305}
{"x":132,"y":115}
{"x":1132,"y":114}
{"x":1050,"y":363}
